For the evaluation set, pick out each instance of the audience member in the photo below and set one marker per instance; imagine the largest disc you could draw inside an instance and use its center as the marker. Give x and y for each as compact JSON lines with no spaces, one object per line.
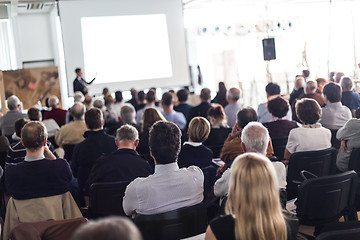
{"x":203,"y":108}
{"x":96,"y":143}
{"x":110,"y":228}
{"x":279,"y":127}
{"x":253,"y":205}
{"x":298,"y":91}
{"x":128,"y":116}
{"x":193,"y":152}
{"x":124,"y":164}
{"x":349,"y":97}
{"x":311,"y":136}
{"x":183,"y":107}
{"x":14,"y":113}
{"x":255,"y":138}
{"x":217,"y":117}
{"x":88,"y":102}
{"x":52,"y":127}
{"x":220,"y":97}
{"x":150,"y":103}
{"x":78,"y":97}
{"x":338,"y":76}
{"x":169,"y":188}
{"x":310,"y":92}
{"x":18,"y":125}
{"x":118,"y":104}
{"x":167,"y":103}
{"x":321,"y":82}
{"x":108,"y":115}
{"x":306,"y":74}
{"x":41,"y":174}
{"x":331,"y":76}
{"x":133,"y":101}
{"x":232,"y":97}
{"x":334,"y":114}
{"x":72,"y":133}
{"x":56,"y":113}
{"x":141,"y":102}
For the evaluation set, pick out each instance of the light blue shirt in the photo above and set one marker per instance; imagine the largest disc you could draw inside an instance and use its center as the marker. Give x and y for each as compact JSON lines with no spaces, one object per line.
{"x":231,"y":111}
{"x":264,"y":116}
{"x":176,"y":117}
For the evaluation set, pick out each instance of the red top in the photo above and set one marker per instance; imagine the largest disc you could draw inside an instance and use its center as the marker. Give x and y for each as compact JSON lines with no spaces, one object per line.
{"x":57,"y":114}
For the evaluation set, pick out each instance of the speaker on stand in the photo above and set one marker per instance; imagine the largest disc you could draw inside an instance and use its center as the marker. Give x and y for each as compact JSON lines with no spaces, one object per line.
{"x":269,"y":54}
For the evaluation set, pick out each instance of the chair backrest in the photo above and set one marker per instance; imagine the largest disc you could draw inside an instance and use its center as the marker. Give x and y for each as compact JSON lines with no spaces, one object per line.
{"x":106,"y":198}
{"x":335,"y":143}
{"x":177,"y":224}
{"x":354,"y":162}
{"x":68,"y":149}
{"x":209,"y":179}
{"x":279,"y":145}
{"x":320,"y":163}
{"x":349,"y":234}
{"x":324,"y":199}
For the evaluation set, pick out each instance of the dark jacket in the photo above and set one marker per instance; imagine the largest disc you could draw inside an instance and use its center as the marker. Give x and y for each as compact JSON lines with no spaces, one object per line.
{"x":351,"y":99}
{"x":96,"y":143}
{"x":200,"y":156}
{"x":200,"y":110}
{"x":280,"y":128}
{"x":183,"y":108}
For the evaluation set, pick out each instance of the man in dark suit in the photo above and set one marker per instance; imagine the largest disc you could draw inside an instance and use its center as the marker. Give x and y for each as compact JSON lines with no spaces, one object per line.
{"x":183,"y":107}
{"x":79,"y":83}
{"x":201,"y":109}
{"x":124,"y":164}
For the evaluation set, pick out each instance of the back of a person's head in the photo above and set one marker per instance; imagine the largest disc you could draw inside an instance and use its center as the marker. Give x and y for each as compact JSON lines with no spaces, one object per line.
{"x":77,"y":70}
{"x":272,"y":89}
{"x":150,"y":96}
{"x":199,"y":129}
{"x":111,"y":228}
{"x":246,"y":115}
{"x":98,"y":103}
{"x":149,"y":117}
{"x":254,"y":199}
{"x":127,"y":114}
{"x":141,"y":96}
{"x":308,"y":111}
{"x":205,"y":94}
{"x":311,"y":87}
{"x":306,"y":73}
{"x":127,"y":133}
{"x":94,"y":118}
{"x":118,"y":96}
{"x":346,"y":84}
{"x":165,"y":142}
{"x":167,"y":99}
{"x":78,"y":96}
{"x":19,"y":124}
{"x":109,"y":99}
{"x":88,"y":100}
{"x":133,"y":92}
{"x":233,"y":94}
{"x":255,"y":137}
{"x":34,"y":114}
{"x":105,"y":91}
{"x":278,"y":107}
{"x":299,"y":83}
{"x":33,"y":135}
{"x":13,"y":102}
{"x":53,"y":101}
{"x":217,"y":112}
{"x":338,"y":76}
{"x":182,"y":95}
{"x":332,"y":91}
{"x":321,"y":81}
{"x":77,"y":110}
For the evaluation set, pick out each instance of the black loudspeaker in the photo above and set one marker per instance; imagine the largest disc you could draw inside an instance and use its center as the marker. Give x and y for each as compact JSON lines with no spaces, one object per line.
{"x":269,"y":49}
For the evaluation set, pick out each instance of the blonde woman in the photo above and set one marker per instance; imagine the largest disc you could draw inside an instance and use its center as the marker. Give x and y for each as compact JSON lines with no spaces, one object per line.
{"x":253,"y":204}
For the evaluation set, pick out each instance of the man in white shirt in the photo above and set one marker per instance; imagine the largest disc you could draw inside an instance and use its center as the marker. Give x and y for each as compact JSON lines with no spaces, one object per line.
{"x":334,"y":114}
{"x":167,"y":103}
{"x":169,"y":188}
{"x":233,"y":96}
{"x":255,"y":138}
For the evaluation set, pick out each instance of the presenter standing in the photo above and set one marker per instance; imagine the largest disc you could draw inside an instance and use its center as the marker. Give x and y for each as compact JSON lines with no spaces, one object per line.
{"x":79,"y":83}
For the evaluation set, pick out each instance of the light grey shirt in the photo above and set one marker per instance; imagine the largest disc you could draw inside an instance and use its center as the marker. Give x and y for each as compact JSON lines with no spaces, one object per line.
{"x":335,"y":115}
{"x":231,"y":111}
{"x":176,"y":117}
{"x":351,"y":134}
{"x":8,"y":120}
{"x":264,"y":116}
{"x":169,"y":188}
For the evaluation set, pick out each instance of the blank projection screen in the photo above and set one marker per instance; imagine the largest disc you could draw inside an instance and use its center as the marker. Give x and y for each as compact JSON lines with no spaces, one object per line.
{"x":125,"y":44}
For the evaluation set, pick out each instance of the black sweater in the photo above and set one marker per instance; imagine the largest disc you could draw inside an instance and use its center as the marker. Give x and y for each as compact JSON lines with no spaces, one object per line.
{"x":200,"y":156}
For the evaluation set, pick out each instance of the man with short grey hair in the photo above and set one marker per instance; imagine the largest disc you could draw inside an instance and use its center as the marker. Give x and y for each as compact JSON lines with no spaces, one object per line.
{"x":56,"y":113}
{"x":128,"y":115}
{"x":124,"y":164}
{"x":349,"y":97}
{"x":7,"y":121}
{"x":255,"y":138}
{"x":310,"y":92}
{"x":232,"y":96}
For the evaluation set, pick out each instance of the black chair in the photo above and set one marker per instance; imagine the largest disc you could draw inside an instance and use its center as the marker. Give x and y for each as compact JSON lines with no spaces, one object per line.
{"x":216,"y":150}
{"x":53,"y":142}
{"x":68,"y":149}
{"x":324,"y":200}
{"x":320,"y":163}
{"x":106,"y":199}
{"x":354,"y":164}
{"x":335,"y":143}
{"x":209,"y":179}
{"x":340,"y":231}
{"x":279,"y":145}
{"x":177,"y":224}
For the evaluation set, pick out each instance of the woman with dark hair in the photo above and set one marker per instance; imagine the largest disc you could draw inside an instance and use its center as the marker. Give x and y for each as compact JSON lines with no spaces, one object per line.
{"x":279,"y":127}
{"x":220,"y":97}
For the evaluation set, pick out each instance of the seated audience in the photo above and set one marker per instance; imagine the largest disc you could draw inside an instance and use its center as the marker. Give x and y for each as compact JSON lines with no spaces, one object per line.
{"x":128,"y":116}
{"x":334,"y":114}
{"x":193,"y":152}
{"x":183,"y":107}
{"x":331,"y":76}
{"x":311,"y":136}
{"x":96,"y":143}
{"x":109,"y":116}
{"x":233,"y":97}
{"x":17,"y":151}
{"x":220,"y":97}
{"x":310,"y":92}
{"x":88,"y":102}
{"x":255,"y":138}
{"x":170,"y":187}
{"x":14,"y":113}
{"x":110,"y":228}
{"x":338,"y":76}
{"x":306,"y":74}
{"x":141,"y":103}
{"x":72,"y":133}
{"x":41,"y":174}
{"x":279,"y":127}
{"x":52,"y":127}
{"x":124,"y":164}
{"x":150,"y":103}
{"x":118,"y":104}
{"x":321,"y":82}
{"x":202,"y":109}
{"x":232,"y":145}
{"x":217,"y":117}
{"x":349,"y":97}
{"x":253,"y":205}
{"x":56,"y":113}
{"x":298,"y":91}
{"x":133,"y":101}
{"x":19,"y":124}
{"x":78,"y":97}
{"x":167,"y":103}
{"x":150,"y":116}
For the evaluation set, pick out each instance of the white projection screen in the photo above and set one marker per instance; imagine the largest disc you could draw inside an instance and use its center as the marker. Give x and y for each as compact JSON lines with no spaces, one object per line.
{"x":125,"y":44}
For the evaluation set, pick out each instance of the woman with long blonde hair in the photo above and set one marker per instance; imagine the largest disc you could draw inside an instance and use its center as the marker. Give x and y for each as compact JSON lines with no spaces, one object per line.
{"x":253,"y":205}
